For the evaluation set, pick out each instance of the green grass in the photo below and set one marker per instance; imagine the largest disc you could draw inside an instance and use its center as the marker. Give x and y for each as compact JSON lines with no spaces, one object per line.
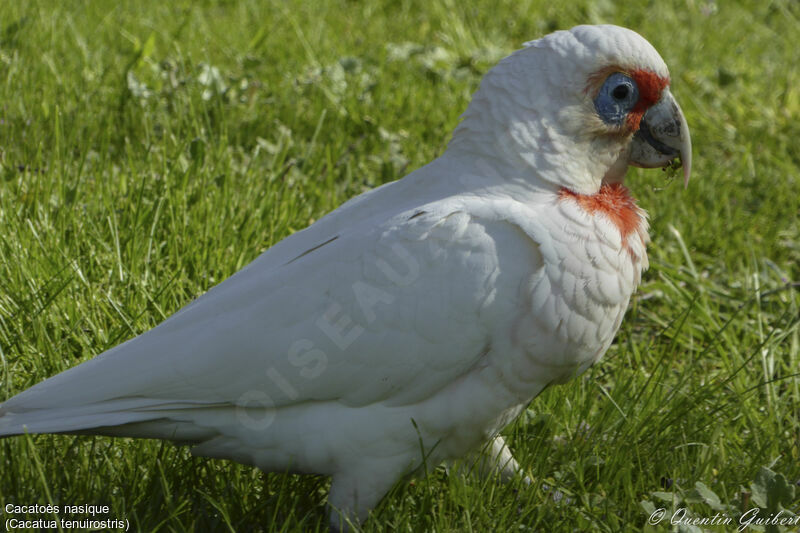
{"x":150,"y":149}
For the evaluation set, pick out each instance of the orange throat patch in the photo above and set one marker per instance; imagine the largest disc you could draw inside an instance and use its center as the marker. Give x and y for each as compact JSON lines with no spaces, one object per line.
{"x":612,"y":200}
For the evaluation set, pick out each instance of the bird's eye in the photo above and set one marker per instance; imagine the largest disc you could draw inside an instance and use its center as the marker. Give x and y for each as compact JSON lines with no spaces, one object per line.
{"x":620,"y":92}
{"x":616,"y":98}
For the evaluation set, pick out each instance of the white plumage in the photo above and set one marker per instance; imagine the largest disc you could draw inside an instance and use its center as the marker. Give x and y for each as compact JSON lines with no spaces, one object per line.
{"x":433,"y":308}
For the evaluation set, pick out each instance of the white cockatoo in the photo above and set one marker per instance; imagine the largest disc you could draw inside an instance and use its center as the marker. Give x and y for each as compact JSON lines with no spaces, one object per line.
{"x":418,"y":319}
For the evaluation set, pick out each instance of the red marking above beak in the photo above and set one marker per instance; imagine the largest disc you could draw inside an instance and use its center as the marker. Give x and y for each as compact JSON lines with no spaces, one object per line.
{"x":651,"y":85}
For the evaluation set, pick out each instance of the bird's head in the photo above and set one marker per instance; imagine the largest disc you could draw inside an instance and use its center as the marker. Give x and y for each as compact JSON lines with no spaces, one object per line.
{"x":576,"y":108}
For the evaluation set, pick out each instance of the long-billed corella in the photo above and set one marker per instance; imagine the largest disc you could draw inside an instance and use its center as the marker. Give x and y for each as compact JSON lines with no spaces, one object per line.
{"x":418,"y":319}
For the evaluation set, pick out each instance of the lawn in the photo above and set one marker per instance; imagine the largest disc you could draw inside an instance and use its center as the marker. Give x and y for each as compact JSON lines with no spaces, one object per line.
{"x":150,"y":149}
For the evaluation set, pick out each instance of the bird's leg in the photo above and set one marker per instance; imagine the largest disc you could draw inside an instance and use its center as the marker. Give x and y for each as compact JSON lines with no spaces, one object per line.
{"x":496,"y":459}
{"x":355,"y":493}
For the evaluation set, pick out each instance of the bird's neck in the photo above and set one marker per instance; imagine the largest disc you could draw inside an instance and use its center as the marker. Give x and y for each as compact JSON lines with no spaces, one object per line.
{"x":513,"y":148}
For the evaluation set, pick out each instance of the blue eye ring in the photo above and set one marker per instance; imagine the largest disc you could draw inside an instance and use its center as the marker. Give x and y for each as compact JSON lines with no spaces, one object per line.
{"x":616,"y":98}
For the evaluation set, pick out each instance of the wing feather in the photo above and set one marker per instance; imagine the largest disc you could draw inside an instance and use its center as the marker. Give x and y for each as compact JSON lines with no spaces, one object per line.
{"x":376,"y":313}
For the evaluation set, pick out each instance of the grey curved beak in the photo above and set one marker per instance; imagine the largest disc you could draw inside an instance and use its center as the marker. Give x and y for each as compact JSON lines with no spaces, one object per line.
{"x":662,"y":137}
